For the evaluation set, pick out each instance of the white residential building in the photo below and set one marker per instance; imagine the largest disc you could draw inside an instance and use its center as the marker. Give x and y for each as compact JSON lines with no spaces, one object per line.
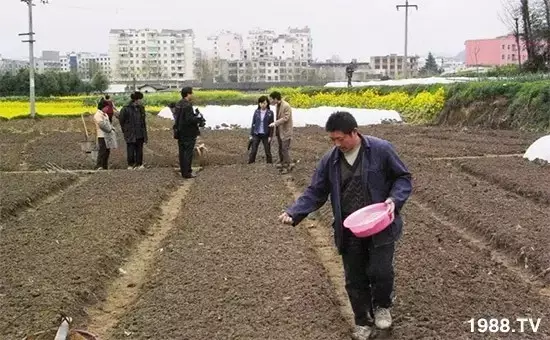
{"x":303,"y":35}
{"x":264,"y":56}
{"x":86,"y":64}
{"x":286,"y":47}
{"x":12,"y":65}
{"x":225,"y":45}
{"x":152,"y":55}
{"x":260,"y":44}
{"x":295,"y":44}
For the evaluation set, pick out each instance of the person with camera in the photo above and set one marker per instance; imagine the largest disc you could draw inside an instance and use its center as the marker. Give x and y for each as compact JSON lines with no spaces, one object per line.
{"x":186,"y":130}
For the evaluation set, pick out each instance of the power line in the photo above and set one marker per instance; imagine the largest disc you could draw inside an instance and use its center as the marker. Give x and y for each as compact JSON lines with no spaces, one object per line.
{"x":406,"y":57}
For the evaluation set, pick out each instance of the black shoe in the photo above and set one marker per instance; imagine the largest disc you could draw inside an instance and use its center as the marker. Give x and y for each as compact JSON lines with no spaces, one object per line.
{"x":189,"y":176}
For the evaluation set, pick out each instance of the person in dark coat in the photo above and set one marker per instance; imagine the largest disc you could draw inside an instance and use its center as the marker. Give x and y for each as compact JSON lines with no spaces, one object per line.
{"x":186,"y":130}
{"x":360,"y":170}
{"x":260,"y":130}
{"x":133,"y":124}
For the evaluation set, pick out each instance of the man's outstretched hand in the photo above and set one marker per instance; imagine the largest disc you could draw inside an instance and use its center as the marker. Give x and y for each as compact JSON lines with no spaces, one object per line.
{"x":391,"y":205}
{"x":285,"y":219}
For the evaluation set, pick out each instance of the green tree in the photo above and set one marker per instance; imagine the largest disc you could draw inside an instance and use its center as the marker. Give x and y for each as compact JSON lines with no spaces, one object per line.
{"x":99,"y":82}
{"x":431,"y":68}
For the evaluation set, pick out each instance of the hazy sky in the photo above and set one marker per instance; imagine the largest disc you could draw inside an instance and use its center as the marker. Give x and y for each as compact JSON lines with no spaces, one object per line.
{"x":348,"y":28}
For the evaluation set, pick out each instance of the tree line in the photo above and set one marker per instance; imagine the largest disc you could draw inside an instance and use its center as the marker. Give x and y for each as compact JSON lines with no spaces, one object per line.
{"x":51,"y":83}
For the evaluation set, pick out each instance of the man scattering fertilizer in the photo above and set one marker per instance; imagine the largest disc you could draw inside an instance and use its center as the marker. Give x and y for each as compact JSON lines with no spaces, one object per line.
{"x":359,"y":171}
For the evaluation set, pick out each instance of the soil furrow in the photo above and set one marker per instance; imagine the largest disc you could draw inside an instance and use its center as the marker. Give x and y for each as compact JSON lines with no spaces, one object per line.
{"x":510,"y":222}
{"x":528,"y":179}
{"x":443,"y":280}
{"x":322,"y":240}
{"x":60,"y":257}
{"x":18,"y":191}
{"x":126,"y":288}
{"x":230,"y":271}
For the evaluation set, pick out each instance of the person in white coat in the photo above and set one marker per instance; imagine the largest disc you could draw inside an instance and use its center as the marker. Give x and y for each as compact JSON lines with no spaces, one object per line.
{"x":106,"y":138}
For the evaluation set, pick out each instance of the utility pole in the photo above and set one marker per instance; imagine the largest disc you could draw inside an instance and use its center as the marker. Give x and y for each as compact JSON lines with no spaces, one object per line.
{"x":517,"y":41}
{"x":406,"y":57}
{"x":31,"y":42}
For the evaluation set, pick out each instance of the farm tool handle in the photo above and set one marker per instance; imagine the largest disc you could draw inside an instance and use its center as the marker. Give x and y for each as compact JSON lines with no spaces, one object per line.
{"x":85,"y":128}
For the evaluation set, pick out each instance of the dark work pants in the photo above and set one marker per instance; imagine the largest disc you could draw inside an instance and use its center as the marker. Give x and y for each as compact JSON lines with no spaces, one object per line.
{"x":256,"y":139}
{"x":284,"y":150}
{"x":102,"y":154}
{"x":134,"y":152}
{"x":186,"y":147}
{"x":369,"y":276}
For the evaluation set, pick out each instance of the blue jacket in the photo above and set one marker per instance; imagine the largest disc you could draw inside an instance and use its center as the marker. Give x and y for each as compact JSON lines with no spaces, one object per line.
{"x":384,"y":175}
{"x":257,"y":120}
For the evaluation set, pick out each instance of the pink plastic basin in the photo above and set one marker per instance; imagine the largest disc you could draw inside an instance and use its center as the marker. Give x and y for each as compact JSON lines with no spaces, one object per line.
{"x":369,"y":220}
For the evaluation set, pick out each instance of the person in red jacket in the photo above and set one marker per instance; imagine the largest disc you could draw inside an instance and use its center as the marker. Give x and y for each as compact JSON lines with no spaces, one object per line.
{"x":109,"y":107}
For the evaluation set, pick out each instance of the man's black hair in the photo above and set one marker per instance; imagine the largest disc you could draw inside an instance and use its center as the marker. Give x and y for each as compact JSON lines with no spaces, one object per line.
{"x":275,"y":95}
{"x":341,"y":121}
{"x":107,"y":97}
{"x":185,"y":91}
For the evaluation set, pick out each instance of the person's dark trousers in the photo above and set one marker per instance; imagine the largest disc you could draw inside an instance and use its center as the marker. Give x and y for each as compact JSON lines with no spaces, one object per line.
{"x":369,"y":276}
{"x":186,"y":147}
{"x":256,"y":139}
{"x":284,"y":151}
{"x":134,"y":153}
{"x":102,"y":154}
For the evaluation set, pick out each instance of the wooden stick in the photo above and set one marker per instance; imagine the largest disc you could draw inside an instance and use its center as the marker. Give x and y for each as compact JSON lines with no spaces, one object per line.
{"x":84,"y":122}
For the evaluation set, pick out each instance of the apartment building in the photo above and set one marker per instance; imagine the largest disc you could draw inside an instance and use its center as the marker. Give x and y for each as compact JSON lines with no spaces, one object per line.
{"x":392,"y":65}
{"x":497,"y":51}
{"x":225,"y":45}
{"x":149,"y":54}
{"x":295,"y":44}
{"x":305,"y":40}
{"x":268,"y":70}
{"x":260,"y":44}
{"x":264,"y":56}
{"x":12,"y":65}
{"x":86,"y":64}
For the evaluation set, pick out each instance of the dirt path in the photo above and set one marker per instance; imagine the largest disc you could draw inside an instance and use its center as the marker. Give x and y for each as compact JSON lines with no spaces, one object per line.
{"x":125,"y":289}
{"x":230,"y":271}
{"x":322,"y":241}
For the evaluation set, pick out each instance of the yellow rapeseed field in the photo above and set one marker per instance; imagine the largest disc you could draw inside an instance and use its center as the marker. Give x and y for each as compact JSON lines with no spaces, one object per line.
{"x":416,"y":108}
{"x":13,"y":109}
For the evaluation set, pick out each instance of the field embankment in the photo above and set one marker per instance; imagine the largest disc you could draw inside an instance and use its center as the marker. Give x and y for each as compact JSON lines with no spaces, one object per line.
{"x":510,"y":104}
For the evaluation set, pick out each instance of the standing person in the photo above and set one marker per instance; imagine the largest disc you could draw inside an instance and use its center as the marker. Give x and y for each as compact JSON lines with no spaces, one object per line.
{"x":133,"y":123}
{"x":284,"y":127}
{"x":106,"y":138}
{"x":101,"y":103}
{"x":360,"y":170}
{"x":108,"y":103}
{"x":186,"y":131}
{"x":260,"y":130}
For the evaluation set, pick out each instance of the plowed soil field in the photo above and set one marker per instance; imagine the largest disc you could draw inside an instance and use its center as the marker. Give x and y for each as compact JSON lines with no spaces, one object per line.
{"x":143,"y":254}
